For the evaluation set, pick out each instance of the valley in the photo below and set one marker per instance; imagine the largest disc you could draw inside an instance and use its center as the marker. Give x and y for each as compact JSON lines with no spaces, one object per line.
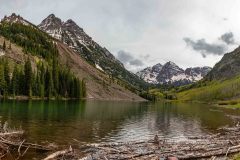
{"x":64,"y":95}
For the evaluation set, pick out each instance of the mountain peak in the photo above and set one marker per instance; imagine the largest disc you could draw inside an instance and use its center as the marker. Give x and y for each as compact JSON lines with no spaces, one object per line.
{"x":71,"y":24}
{"x":50,"y":22}
{"x":171,"y":63}
{"x":157,"y":68}
{"x":51,"y":16}
{"x":14,"y":18}
{"x":71,"y":21}
{"x":52,"y":25}
{"x":158,"y":64}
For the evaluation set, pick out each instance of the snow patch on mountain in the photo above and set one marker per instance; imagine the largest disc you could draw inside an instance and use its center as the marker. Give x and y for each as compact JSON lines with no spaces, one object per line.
{"x":99,"y":67}
{"x":150,"y":74}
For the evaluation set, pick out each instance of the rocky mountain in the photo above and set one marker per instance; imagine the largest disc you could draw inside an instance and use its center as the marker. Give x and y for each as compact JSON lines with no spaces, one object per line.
{"x":227,"y":67}
{"x":15,"y":19}
{"x":170,"y":73}
{"x":74,"y":36}
{"x":150,"y":74}
{"x":99,"y":84}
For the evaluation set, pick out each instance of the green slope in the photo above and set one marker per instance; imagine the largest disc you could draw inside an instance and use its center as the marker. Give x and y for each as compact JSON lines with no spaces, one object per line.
{"x":213,"y":91}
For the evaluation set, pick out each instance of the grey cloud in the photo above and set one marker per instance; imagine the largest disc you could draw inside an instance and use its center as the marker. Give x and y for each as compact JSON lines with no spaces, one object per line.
{"x":146,"y":57}
{"x":124,"y":56}
{"x":228,"y":38}
{"x":206,"y":48}
{"x":127,"y":58}
{"x":136,"y":62}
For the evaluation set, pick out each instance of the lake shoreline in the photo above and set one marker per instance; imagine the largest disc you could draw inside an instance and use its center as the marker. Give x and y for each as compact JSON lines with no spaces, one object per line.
{"x":27,"y":98}
{"x":223,"y":144}
{"x":223,"y":104}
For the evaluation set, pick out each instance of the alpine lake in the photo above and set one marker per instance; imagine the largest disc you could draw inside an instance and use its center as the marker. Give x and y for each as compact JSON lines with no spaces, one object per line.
{"x":75,"y":123}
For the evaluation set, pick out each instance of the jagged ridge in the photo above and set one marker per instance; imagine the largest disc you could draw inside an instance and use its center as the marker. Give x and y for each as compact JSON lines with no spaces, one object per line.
{"x":170,"y":73}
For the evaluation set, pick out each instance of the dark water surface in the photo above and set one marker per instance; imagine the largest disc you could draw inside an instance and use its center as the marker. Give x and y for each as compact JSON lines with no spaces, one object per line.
{"x":65,"y":122}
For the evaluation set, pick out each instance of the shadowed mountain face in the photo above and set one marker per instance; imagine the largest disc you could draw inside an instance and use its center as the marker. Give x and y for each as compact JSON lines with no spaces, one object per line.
{"x":74,"y":36}
{"x":227,"y":67}
{"x":170,"y":73}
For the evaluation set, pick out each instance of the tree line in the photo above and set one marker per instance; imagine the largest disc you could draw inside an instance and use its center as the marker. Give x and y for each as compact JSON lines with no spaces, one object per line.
{"x":45,"y":82}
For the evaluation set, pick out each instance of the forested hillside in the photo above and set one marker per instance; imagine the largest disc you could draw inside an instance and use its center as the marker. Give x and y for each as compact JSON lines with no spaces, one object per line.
{"x":47,"y":78}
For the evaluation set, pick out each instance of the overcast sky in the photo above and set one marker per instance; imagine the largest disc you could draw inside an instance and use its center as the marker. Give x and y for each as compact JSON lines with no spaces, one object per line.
{"x":145,"y":32}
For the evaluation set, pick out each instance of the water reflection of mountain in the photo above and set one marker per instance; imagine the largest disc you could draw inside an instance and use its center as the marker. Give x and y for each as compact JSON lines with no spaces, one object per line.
{"x":174,"y":120}
{"x":94,"y":121}
{"x":188,"y":118}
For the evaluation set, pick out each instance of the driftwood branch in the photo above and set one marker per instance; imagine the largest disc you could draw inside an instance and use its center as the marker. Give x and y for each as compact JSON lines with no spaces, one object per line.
{"x":11,"y":141}
{"x":19,"y":148}
{"x":58,"y":153}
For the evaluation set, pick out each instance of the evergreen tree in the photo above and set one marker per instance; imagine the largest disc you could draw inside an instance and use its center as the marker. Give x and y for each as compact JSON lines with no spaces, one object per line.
{"x":7,"y":76}
{"x":49,"y":83}
{"x":34,"y":85}
{"x":21,"y":82}
{"x":77,"y":88}
{"x":37,"y":85}
{"x":55,"y":75}
{"x":2,"y":81}
{"x":28,"y":77}
{"x":14,"y":81}
{"x":10,"y":45}
{"x":4,"y":45}
{"x":83,"y":89}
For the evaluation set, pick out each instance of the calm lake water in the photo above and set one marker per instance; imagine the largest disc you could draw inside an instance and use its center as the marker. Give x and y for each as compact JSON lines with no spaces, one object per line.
{"x":65,"y":122}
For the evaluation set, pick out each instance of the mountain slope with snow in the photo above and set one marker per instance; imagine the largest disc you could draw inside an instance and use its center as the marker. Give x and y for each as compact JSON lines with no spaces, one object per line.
{"x":99,"y":85}
{"x":170,"y":73}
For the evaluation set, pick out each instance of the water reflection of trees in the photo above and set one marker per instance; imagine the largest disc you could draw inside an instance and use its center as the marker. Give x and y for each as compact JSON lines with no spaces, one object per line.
{"x":64,"y":121}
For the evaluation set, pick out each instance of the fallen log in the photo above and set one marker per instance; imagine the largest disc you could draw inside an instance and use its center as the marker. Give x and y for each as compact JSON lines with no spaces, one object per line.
{"x":58,"y":153}
{"x":11,"y":133}
{"x":26,"y":145}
